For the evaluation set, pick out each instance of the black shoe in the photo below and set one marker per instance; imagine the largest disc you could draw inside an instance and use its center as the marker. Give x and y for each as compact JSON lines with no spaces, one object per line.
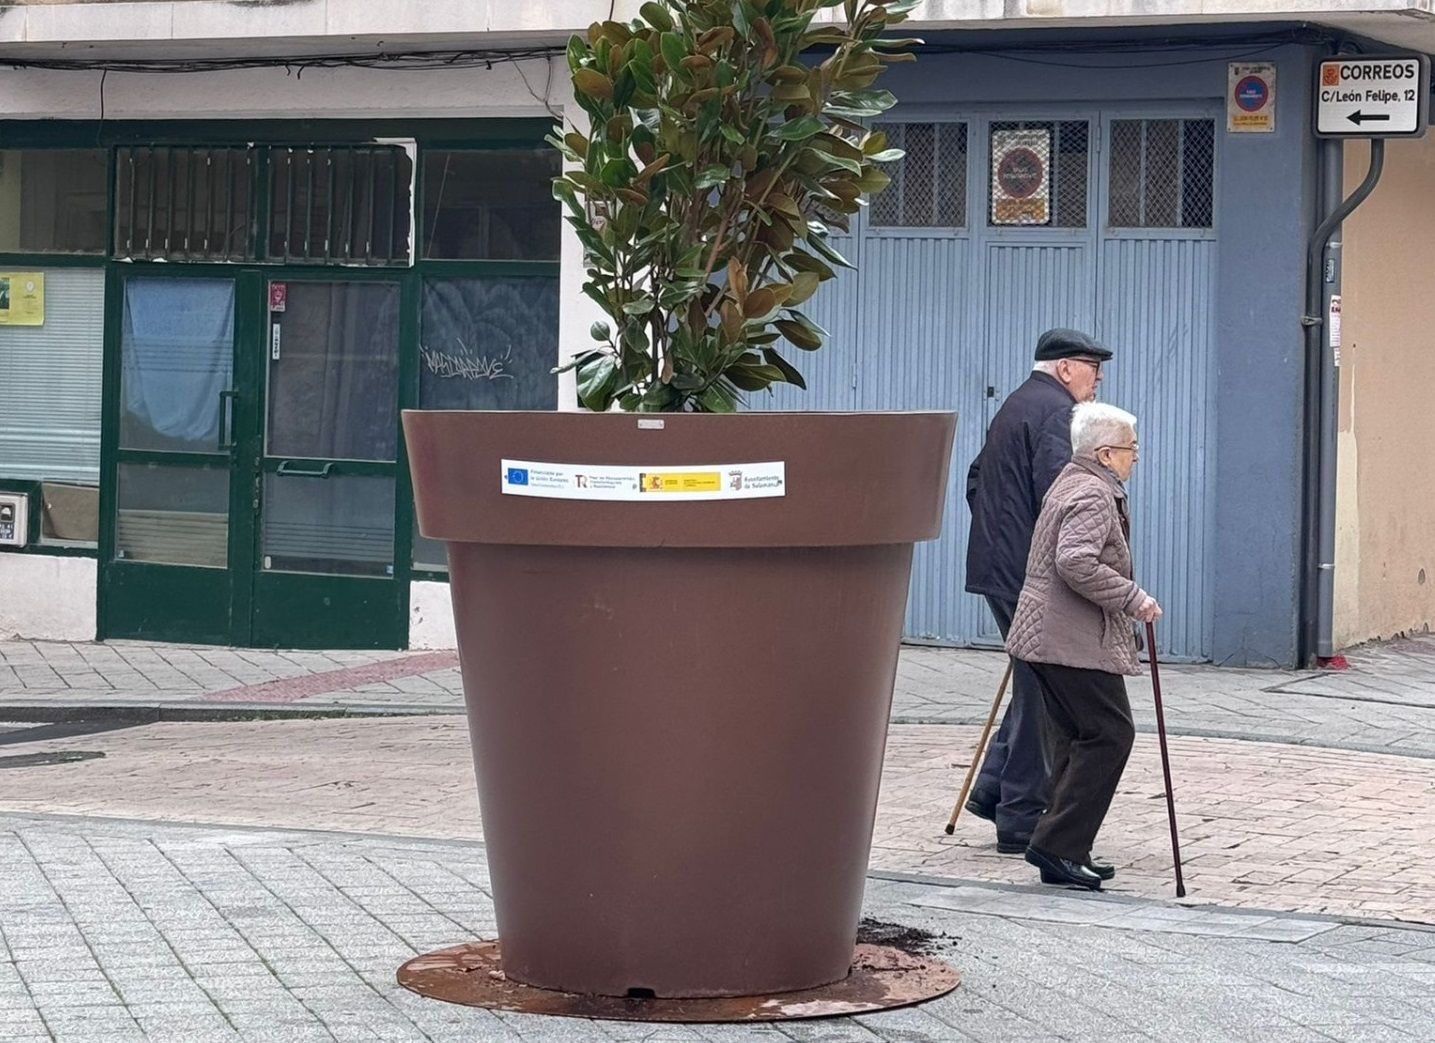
{"x":1101,"y":869}
{"x":980,"y":810}
{"x":1056,"y":870}
{"x":1012,"y":843}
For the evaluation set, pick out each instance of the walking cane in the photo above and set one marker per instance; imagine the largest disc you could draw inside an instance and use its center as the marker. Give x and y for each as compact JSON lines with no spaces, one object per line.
{"x":1165,"y":757}
{"x":981,"y":748}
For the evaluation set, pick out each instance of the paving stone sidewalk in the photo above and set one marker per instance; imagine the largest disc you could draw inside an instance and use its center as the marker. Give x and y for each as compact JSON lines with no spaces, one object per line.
{"x":124,"y":932}
{"x":1263,"y":826}
{"x":1384,"y":703}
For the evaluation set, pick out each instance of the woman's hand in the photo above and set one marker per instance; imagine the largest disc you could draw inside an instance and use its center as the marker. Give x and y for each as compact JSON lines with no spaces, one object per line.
{"x":1148,"y":611}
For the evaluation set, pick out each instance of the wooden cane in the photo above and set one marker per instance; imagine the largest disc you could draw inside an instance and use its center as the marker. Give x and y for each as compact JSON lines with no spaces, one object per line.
{"x":1165,"y":757}
{"x":981,"y":748}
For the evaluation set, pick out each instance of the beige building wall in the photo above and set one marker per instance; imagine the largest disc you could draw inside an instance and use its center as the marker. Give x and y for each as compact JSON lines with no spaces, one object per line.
{"x":1385,"y":551}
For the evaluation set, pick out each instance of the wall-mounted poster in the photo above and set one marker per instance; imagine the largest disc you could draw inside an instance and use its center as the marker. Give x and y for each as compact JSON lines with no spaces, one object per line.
{"x":22,"y":299}
{"x":1021,"y":177}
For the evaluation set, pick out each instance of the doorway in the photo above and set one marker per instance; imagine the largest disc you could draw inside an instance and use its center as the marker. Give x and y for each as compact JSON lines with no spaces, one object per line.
{"x":256,"y":458}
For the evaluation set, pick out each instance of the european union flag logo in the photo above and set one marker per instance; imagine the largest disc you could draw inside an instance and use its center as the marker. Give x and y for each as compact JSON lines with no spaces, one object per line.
{"x":518,"y":476}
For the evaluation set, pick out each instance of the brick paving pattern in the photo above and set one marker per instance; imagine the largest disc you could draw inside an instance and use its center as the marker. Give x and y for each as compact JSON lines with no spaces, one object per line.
{"x":1265,"y":826}
{"x":1385,"y":703}
{"x":1306,"y":803}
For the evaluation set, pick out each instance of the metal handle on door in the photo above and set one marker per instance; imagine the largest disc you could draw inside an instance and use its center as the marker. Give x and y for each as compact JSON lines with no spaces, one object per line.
{"x":226,"y":408}
{"x":287,"y":468}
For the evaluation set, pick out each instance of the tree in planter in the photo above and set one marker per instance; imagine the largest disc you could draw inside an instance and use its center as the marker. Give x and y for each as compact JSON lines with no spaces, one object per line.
{"x":703,"y":193}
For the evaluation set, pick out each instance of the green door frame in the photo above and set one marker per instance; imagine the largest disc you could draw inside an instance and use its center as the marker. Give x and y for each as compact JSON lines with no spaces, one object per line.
{"x":429,"y":134}
{"x":144,"y":600}
{"x":295,"y":609}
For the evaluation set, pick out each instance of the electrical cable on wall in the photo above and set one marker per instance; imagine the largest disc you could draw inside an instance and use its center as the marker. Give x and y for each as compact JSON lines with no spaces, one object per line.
{"x":1027,"y":52}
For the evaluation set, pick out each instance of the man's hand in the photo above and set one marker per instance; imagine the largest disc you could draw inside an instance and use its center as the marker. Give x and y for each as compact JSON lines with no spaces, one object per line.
{"x":1148,"y":611}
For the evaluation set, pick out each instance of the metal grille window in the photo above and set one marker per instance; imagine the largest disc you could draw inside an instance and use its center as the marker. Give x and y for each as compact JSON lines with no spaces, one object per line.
{"x":1038,"y":173}
{"x":340,"y":205}
{"x":185,"y":204}
{"x":1162,"y":173}
{"x":929,"y":185}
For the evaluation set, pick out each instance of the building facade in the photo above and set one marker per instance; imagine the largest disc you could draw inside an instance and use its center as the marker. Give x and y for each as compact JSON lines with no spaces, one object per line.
{"x":255,"y":252}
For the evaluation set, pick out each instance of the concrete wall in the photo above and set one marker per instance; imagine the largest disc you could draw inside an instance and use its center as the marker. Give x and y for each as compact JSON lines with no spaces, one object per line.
{"x":431,"y":616}
{"x":47,"y":598}
{"x":1385,"y":554}
{"x":53,"y":24}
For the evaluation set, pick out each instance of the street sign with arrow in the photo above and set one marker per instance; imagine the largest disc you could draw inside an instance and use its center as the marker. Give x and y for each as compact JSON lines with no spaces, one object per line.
{"x":1372,"y":96}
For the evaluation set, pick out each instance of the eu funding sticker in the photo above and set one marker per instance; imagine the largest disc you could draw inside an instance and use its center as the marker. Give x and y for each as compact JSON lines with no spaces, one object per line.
{"x":649,"y":484}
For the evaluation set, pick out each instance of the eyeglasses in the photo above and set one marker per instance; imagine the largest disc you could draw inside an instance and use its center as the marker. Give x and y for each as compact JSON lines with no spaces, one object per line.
{"x":1134,"y":447}
{"x":1093,"y":363}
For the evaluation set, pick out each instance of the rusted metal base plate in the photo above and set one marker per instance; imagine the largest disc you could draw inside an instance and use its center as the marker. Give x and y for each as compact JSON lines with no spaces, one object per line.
{"x":882,"y":977}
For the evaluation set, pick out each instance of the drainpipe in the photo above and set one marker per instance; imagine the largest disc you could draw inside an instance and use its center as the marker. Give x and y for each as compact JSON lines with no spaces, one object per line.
{"x":1323,"y":269}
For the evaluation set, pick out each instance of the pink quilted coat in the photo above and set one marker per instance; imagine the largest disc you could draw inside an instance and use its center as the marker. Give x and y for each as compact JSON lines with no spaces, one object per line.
{"x":1075,"y":607}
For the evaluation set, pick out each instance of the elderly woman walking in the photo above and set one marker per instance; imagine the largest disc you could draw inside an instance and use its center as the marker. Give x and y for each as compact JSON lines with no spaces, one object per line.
{"x":1073,"y":624}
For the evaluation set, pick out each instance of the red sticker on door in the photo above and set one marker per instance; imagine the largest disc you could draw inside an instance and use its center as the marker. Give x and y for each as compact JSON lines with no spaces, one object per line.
{"x":278,"y":296}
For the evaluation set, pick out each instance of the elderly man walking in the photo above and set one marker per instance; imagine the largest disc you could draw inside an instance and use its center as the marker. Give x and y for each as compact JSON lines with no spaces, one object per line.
{"x":1027,"y":445}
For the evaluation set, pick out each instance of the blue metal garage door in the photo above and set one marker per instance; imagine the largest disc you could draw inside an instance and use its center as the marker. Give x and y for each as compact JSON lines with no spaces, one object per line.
{"x":1000,"y":225}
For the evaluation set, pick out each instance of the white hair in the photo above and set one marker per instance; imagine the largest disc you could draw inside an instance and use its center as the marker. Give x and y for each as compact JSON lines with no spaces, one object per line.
{"x":1097,"y":424}
{"x":1047,"y":366}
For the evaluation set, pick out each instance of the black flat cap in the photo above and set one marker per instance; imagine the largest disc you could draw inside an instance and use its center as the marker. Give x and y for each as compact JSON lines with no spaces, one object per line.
{"x":1064,"y":344}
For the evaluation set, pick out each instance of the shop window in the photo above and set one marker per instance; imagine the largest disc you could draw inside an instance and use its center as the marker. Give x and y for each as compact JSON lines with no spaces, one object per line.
{"x":50,"y":393}
{"x":486,"y":343}
{"x":52,"y":201}
{"x":1038,"y":174}
{"x":184,"y":204}
{"x":340,"y":205}
{"x":929,"y":184}
{"x":491,"y":205}
{"x":1162,"y":173}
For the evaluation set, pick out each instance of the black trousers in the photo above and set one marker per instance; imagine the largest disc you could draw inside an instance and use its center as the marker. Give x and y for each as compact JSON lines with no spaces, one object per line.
{"x":1013,"y":775}
{"x":1089,"y":736}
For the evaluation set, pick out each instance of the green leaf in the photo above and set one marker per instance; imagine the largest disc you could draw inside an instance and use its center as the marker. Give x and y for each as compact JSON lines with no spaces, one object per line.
{"x":859,"y":104}
{"x":732,"y":134}
{"x":576,"y":361}
{"x":799,"y":334}
{"x":595,"y":382}
{"x":804,"y":285}
{"x":803,"y":262}
{"x":789,"y":372}
{"x":593,"y":83}
{"x":801,"y":128}
{"x":564,"y":192}
{"x":641,"y":306}
{"x":659,"y":398}
{"x":716,"y":174}
{"x":600,"y":331}
{"x":874,"y":181}
{"x":716,"y":400}
{"x":852,"y":166}
{"x":819,"y":244}
{"x":674,"y":52}
{"x":657,"y":16}
{"x":887,"y":155}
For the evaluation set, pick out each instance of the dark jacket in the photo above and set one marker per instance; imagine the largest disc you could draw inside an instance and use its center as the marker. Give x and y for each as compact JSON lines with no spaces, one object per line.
{"x":1027,"y":445}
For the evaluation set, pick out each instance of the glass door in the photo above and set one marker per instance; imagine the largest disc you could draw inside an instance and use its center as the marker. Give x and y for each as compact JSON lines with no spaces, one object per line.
{"x":171,"y":533}
{"x":324,"y":538}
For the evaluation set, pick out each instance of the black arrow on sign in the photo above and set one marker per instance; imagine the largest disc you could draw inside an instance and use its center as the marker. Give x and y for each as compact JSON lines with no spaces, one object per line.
{"x":1357,"y":117}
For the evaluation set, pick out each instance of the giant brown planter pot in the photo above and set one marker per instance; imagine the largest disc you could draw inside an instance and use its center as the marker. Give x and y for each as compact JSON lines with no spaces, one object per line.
{"x":679,"y":710}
